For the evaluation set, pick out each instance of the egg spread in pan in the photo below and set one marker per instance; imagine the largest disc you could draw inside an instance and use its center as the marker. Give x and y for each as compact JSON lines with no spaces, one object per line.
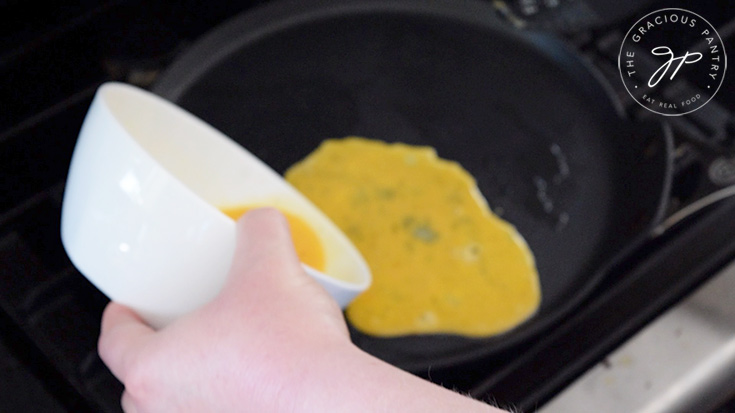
{"x":442,"y":262}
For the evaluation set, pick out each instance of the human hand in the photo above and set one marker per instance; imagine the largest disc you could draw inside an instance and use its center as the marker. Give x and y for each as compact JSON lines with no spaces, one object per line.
{"x":272,"y":341}
{"x":269,"y":318}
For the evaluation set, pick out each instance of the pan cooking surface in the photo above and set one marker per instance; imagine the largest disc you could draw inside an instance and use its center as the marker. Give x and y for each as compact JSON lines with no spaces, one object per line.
{"x":519,"y":113}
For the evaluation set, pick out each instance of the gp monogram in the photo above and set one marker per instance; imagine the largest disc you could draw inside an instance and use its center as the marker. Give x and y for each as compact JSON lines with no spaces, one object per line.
{"x":672,"y":62}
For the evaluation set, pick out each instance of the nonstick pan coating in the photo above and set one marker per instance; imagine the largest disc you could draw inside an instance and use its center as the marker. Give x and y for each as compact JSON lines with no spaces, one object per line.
{"x":519,"y":111}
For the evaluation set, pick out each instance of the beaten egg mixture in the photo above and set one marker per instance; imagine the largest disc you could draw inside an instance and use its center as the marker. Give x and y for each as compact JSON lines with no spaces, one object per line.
{"x":306,"y":243}
{"x":442,"y":262}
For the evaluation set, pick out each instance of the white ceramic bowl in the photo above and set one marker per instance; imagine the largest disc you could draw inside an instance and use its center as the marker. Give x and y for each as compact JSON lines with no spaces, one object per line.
{"x":140,"y":215}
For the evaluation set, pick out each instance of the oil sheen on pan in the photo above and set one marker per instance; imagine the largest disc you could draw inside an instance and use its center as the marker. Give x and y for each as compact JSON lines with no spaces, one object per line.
{"x":442,"y":262}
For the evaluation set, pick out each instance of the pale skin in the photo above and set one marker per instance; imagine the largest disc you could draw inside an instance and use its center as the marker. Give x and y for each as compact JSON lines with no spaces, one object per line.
{"x":272,"y":341}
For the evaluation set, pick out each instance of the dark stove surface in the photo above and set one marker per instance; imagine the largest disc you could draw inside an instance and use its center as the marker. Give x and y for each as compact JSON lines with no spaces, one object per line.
{"x":52,"y":60}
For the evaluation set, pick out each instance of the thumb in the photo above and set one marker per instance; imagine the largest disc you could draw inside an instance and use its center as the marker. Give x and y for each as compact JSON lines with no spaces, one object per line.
{"x":266,"y":268}
{"x":264,"y":252}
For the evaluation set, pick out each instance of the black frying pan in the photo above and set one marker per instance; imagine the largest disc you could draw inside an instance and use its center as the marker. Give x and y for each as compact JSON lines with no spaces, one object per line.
{"x":518,"y":110}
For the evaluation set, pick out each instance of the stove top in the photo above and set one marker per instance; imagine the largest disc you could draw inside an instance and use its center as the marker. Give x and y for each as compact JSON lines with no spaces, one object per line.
{"x":52,"y":61}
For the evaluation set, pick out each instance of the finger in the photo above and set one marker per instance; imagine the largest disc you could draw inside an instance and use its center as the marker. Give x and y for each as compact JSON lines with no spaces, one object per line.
{"x":126,"y":402}
{"x":123,"y":335}
{"x":264,"y":245}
